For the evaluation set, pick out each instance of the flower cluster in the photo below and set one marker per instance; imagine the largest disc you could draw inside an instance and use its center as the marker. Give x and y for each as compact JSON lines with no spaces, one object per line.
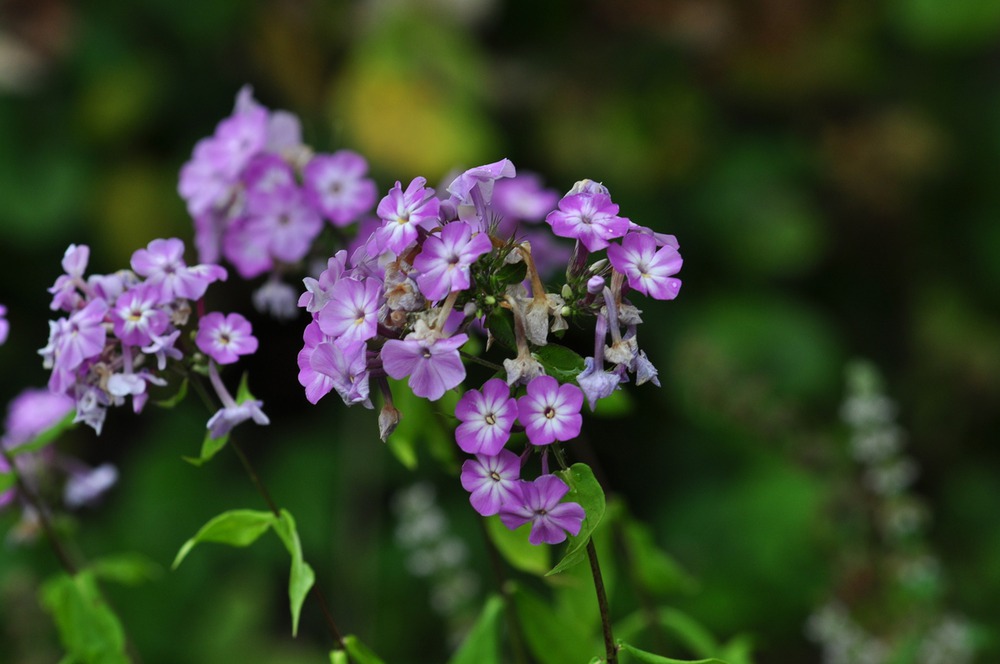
{"x":121,"y":330}
{"x":259,"y":196}
{"x":439,"y":266}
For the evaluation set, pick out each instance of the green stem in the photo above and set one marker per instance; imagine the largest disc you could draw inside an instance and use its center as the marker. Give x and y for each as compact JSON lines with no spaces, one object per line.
{"x":602,"y":602}
{"x":480,"y":361}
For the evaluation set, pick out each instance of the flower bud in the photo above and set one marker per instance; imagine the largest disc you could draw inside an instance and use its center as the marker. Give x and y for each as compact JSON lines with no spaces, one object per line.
{"x":595,"y":284}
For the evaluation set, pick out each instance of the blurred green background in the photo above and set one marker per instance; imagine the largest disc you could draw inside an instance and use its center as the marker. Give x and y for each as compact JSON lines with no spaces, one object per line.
{"x":829,"y":169}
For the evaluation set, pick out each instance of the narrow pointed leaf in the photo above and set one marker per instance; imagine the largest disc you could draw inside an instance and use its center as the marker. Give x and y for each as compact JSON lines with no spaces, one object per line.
{"x":650,"y":658}
{"x":45,"y":438}
{"x":302,"y":576}
{"x":235,"y":528}
{"x":359,"y":652}
{"x":211,"y":446}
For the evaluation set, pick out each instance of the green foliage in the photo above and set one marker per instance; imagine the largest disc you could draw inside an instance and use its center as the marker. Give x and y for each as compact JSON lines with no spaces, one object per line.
{"x":244,"y":527}
{"x":482,"y":644}
{"x":88,"y":628}
{"x":359,"y":652}
{"x":178,"y":397}
{"x":550,"y":637}
{"x":515,"y":548}
{"x":650,"y":658}
{"x":423,"y":423}
{"x":130,"y":569}
{"x":560,"y":362}
{"x":500,"y":323}
{"x":45,"y":438}
{"x":585,"y":490}
{"x":654,"y":569}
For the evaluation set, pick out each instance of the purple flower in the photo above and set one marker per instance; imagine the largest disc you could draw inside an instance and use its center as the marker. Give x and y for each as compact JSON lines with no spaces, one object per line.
{"x":86,"y":486}
{"x":402,"y":213}
{"x":64,"y":291}
{"x":336,"y":185}
{"x":492,"y":481}
{"x":287,"y":228}
{"x":351,"y":315}
{"x":318,"y":290}
{"x":595,"y":382}
{"x":228,"y":417}
{"x":444,"y":261}
{"x":4,"y":325}
{"x":473,"y":189}
{"x":347,"y":368}
{"x":317,"y":384}
{"x":32,"y":412}
{"x":137,"y":320}
{"x":649,"y":270}
{"x":225,"y":338}
{"x":487,"y":417}
{"x":202,"y":185}
{"x":82,"y":336}
{"x":523,"y":197}
{"x":247,"y":250}
{"x":270,"y":184}
{"x":433,"y":365}
{"x":539,"y":504}
{"x":590,"y":218}
{"x":550,"y":411}
{"x":162,"y":263}
{"x":237,"y":139}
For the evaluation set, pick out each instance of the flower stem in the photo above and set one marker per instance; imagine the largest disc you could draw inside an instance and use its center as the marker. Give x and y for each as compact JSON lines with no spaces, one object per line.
{"x":602,"y":602}
{"x":480,"y":361}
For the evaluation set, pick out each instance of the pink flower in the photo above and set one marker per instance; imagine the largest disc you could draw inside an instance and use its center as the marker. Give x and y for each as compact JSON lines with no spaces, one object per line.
{"x":649,"y":270}
{"x":433,"y":365}
{"x":539,"y":505}
{"x":487,"y":417}
{"x":550,"y":411}
{"x":590,"y":218}
{"x":336,"y":185}
{"x":444,"y":261}
{"x":225,"y":338}
{"x":402,"y":213}
{"x":492,"y":481}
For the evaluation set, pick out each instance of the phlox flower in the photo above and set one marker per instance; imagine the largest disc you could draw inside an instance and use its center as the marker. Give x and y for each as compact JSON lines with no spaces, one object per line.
{"x":432,"y":365}
{"x":550,"y":411}
{"x":487,"y":416}
{"x":4,"y":325}
{"x":351,"y":314}
{"x":492,"y":480}
{"x":444,"y":262}
{"x":649,"y":269}
{"x":137,"y":319}
{"x":287,"y":227}
{"x":81,"y":337}
{"x":162,"y":263}
{"x":347,"y":368}
{"x":590,"y":218}
{"x":403,"y":212}
{"x":224,"y":419}
{"x":523,"y":197}
{"x":225,"y":338}
{"x":336,"y":185}
{"x":539,"y":505}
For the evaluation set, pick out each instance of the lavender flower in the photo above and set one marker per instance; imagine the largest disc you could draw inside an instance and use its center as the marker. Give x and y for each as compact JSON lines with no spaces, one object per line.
{"x":487,"y":416}
{"x":347,"y":368}
{"x":136,"y":316}
{"x":539,"y":505}
{"x":4,"y":325}
{"x":444,"y":261}
{"x":336,"y":186}
{"x":550,"y":411}
{"x":403,"y":212}
{"x":590,"y":218}
{"x":225,"y":338}
{"x":162,"y":263}
{"x":433,"y":365}
{"x":492,"y":481}
{"x":649,"y":270}
{"x":351,"y":315}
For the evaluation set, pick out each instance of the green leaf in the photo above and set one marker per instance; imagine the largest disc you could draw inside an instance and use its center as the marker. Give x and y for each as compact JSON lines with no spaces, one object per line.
{"x":130,"y":569}
{"x":510,"y":273}
{"x":7,"y":480}
{"x":689,"y":631}
{"x":738,"y":650}
{"x":423,"y":423}
{"x":359,"y":652}
{"x":560,"y":362}
{"x":585,"y":490}
{"x":170,"y":402}
{"x":514,"y":546}
{"x":617,"y":404}
{"x":482,"y":645}
{"x":211,"y":446}
{"x":302,"y":577}
{"x":500,"y":323}
{"x":656,"y":571}
{"x":45,"y":438}
{"x":339,"y":657}
{"x":650,"y":658}
{"x":550,"y":637}
{"x":235,"y":528}
{"x":88,"y":629}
